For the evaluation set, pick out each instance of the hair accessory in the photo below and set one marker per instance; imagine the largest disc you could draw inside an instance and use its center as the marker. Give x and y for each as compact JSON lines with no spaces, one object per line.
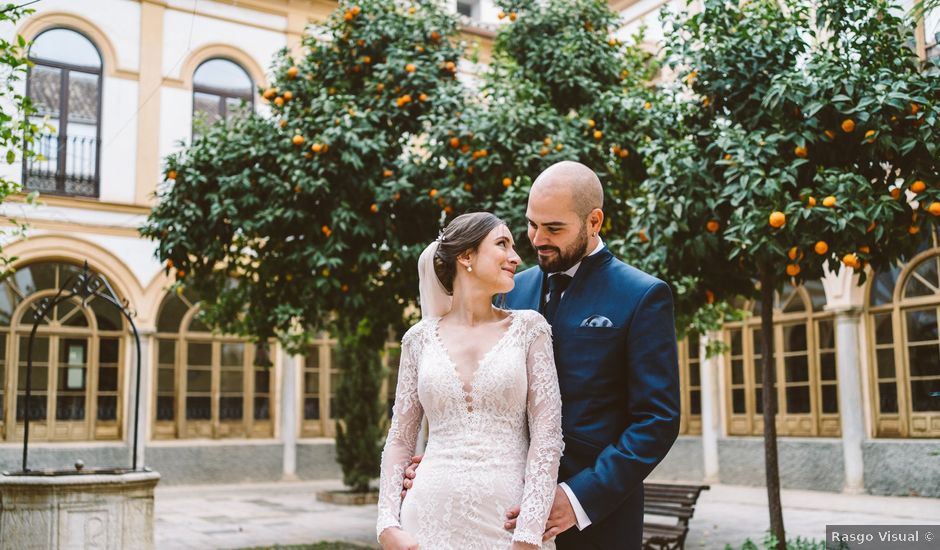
{"x":440,"y":236}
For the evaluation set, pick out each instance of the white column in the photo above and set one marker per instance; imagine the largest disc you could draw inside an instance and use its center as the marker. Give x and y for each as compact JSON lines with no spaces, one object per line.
{"x":848,"y":365}
{"x":146,"y":337}
{"x":708,"y":367}
{"x":289,"y":413}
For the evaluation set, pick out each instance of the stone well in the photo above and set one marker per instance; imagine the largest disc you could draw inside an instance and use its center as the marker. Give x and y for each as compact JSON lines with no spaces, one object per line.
{"x":80,"y":510}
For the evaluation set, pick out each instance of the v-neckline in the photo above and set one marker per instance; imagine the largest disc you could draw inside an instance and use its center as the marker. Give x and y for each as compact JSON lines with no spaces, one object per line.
{"x":453,"y":365}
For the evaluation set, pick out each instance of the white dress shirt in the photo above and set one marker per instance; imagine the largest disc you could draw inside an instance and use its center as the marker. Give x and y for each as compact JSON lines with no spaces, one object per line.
{"x":583,"y":521}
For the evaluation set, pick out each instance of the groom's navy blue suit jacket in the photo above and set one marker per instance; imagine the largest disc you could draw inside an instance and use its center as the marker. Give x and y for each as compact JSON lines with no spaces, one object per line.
{"x":619,"y":390}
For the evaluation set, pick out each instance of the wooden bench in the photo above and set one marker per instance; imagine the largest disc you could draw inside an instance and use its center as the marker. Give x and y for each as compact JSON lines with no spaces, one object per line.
{"x":670,"y":500}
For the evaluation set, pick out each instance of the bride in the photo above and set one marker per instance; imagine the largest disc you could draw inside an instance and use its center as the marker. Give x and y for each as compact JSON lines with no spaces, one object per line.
{"x":485,"y":378}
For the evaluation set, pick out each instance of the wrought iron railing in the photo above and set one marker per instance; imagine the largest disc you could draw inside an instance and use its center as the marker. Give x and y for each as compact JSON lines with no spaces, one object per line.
{"x":65,"y":165}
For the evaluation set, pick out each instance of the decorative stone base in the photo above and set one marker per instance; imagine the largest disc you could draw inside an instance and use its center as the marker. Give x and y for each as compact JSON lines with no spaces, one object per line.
{"x":77,"y":511}
{"x":348,"y":498}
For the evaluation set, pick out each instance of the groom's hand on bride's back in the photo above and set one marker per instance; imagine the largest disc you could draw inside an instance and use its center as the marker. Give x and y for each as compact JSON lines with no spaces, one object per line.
{"x":410,"y":472}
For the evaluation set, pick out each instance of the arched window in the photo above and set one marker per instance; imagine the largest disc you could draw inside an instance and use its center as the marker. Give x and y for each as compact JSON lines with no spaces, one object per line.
{"x":690,"y":383}
{"x":207,"y":385}
{"x":64,"y":84}
{"x":221,"y":89}
{"x":805,"y":367}
{"x":321,"y":374}
{"x":904,"y":333}
{"x":78,"y":360}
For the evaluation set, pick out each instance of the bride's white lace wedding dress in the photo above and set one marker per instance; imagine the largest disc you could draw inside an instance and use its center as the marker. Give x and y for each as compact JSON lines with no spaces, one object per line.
{"x":494,"y":442}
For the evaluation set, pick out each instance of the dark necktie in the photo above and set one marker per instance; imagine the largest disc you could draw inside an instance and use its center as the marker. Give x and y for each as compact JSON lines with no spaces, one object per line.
{"x":556,"y":285}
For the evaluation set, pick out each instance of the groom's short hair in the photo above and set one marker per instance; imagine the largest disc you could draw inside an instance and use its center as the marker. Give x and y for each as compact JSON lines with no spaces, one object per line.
{"x":583,"y":184}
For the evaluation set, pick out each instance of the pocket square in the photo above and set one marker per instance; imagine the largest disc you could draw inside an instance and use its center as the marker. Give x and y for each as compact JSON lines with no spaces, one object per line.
{"x":596,"y":321}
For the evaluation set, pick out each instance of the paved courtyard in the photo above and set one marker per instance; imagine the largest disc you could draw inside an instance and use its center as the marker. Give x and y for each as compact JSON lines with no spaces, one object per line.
{"x":247,"y":515}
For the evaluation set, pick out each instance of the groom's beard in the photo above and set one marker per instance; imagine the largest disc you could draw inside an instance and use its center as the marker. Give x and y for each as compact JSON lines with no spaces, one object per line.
{"x":563,"y":260}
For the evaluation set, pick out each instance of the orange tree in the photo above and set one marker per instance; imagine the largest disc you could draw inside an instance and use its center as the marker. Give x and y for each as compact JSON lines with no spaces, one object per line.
{"x":302,"y":220}
{"x":560,"y":87}
{"x":795,"y":145}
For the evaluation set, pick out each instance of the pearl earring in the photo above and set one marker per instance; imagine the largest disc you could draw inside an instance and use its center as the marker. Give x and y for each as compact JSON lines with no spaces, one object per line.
{"x":469,"y":269}
{"x":595,"y":234}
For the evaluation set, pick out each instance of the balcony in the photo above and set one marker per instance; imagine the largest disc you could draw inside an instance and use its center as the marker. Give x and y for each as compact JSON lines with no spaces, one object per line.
{"x":65,"y":165}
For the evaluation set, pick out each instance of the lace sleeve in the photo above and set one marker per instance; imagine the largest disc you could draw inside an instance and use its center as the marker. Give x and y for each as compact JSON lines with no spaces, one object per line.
{"x":545,"y":445}
{"x":402,"y":438}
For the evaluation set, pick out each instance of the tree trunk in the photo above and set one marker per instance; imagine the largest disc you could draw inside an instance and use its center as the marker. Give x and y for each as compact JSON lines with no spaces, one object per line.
{"x":769,"y":396}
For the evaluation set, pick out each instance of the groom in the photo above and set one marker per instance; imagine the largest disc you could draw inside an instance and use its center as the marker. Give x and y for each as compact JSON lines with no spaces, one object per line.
{"x":615,"y":351}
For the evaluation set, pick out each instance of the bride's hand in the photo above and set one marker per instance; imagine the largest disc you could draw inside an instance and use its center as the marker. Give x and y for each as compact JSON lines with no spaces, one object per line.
{"x":394,"y":538}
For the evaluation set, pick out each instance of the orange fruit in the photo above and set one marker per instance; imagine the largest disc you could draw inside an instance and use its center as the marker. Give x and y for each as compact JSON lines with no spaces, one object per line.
{"x":777,"y":220}
{"x":501,"y":15}
{"x":706,"y":102}
{"x":348,"y":16}
{"x":410,"y":68}
{"x":180,"y":274}
{"x":709,"y":296}
{"x":864,"y":249}
{"x":283,"y":123}
{"x":830,"y":134}
{"x":643,"y":237}
{"x":317,"y":148}
{"x":590,"y":123}
{"x":326,"y":231}
{"x":296,"y":189}
{"x":727,"y":156}
{"x":712,"y":226}
{"x":851,"y":260}
{"x":269,"y":93}
{"x":559,"y":146}
{"x":379,"y":87}
{"x":547,"y":141}
{"x":871,"y":227}
{"x":512,"y":16}
{"x":612,"y":42}
{"x":465,"y":148}
{"x":914,"y":108}
{"x":821,"y":248}
{"x":367,"y":59}
{"x":292,"y":72}
{"x":598,"y":134}
{"x":800,"y":151}
{"x":454,"y":142}
{"x":169,"y":264}
{"x":543,"y":151}
{"x":412,"y":10}
{"x":896,"y":193}
{"x":624,"y":153}
{"x":795,"y":253}
{"x":450,"y":66}
{"x":829,"y":202}
{"x":810,"y":201}
{"x":913,"y":230}
{"x":423,"y":97}
{"x":449,"y":209}
{"x":326,"y":271}
{"x":171,"y":175}
{"x":297,"y":139}
{"x":934,"y":208}
{"x":468,"y":187}
{"x":279,"y":101}
{"x":435,"y":36}
{"x":507,"y":182}
{"x":793,"y":270}
{"x":848,"y":126}
{"x":374,"y":208}
{"x":387,"y":173}
{"x":432,"y":193}
{"x":870,"y":136}
{"x":918,"y":186}
{"x":344,"y":288}
{"x":647,"y":105}
{"x":288,"y":95}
